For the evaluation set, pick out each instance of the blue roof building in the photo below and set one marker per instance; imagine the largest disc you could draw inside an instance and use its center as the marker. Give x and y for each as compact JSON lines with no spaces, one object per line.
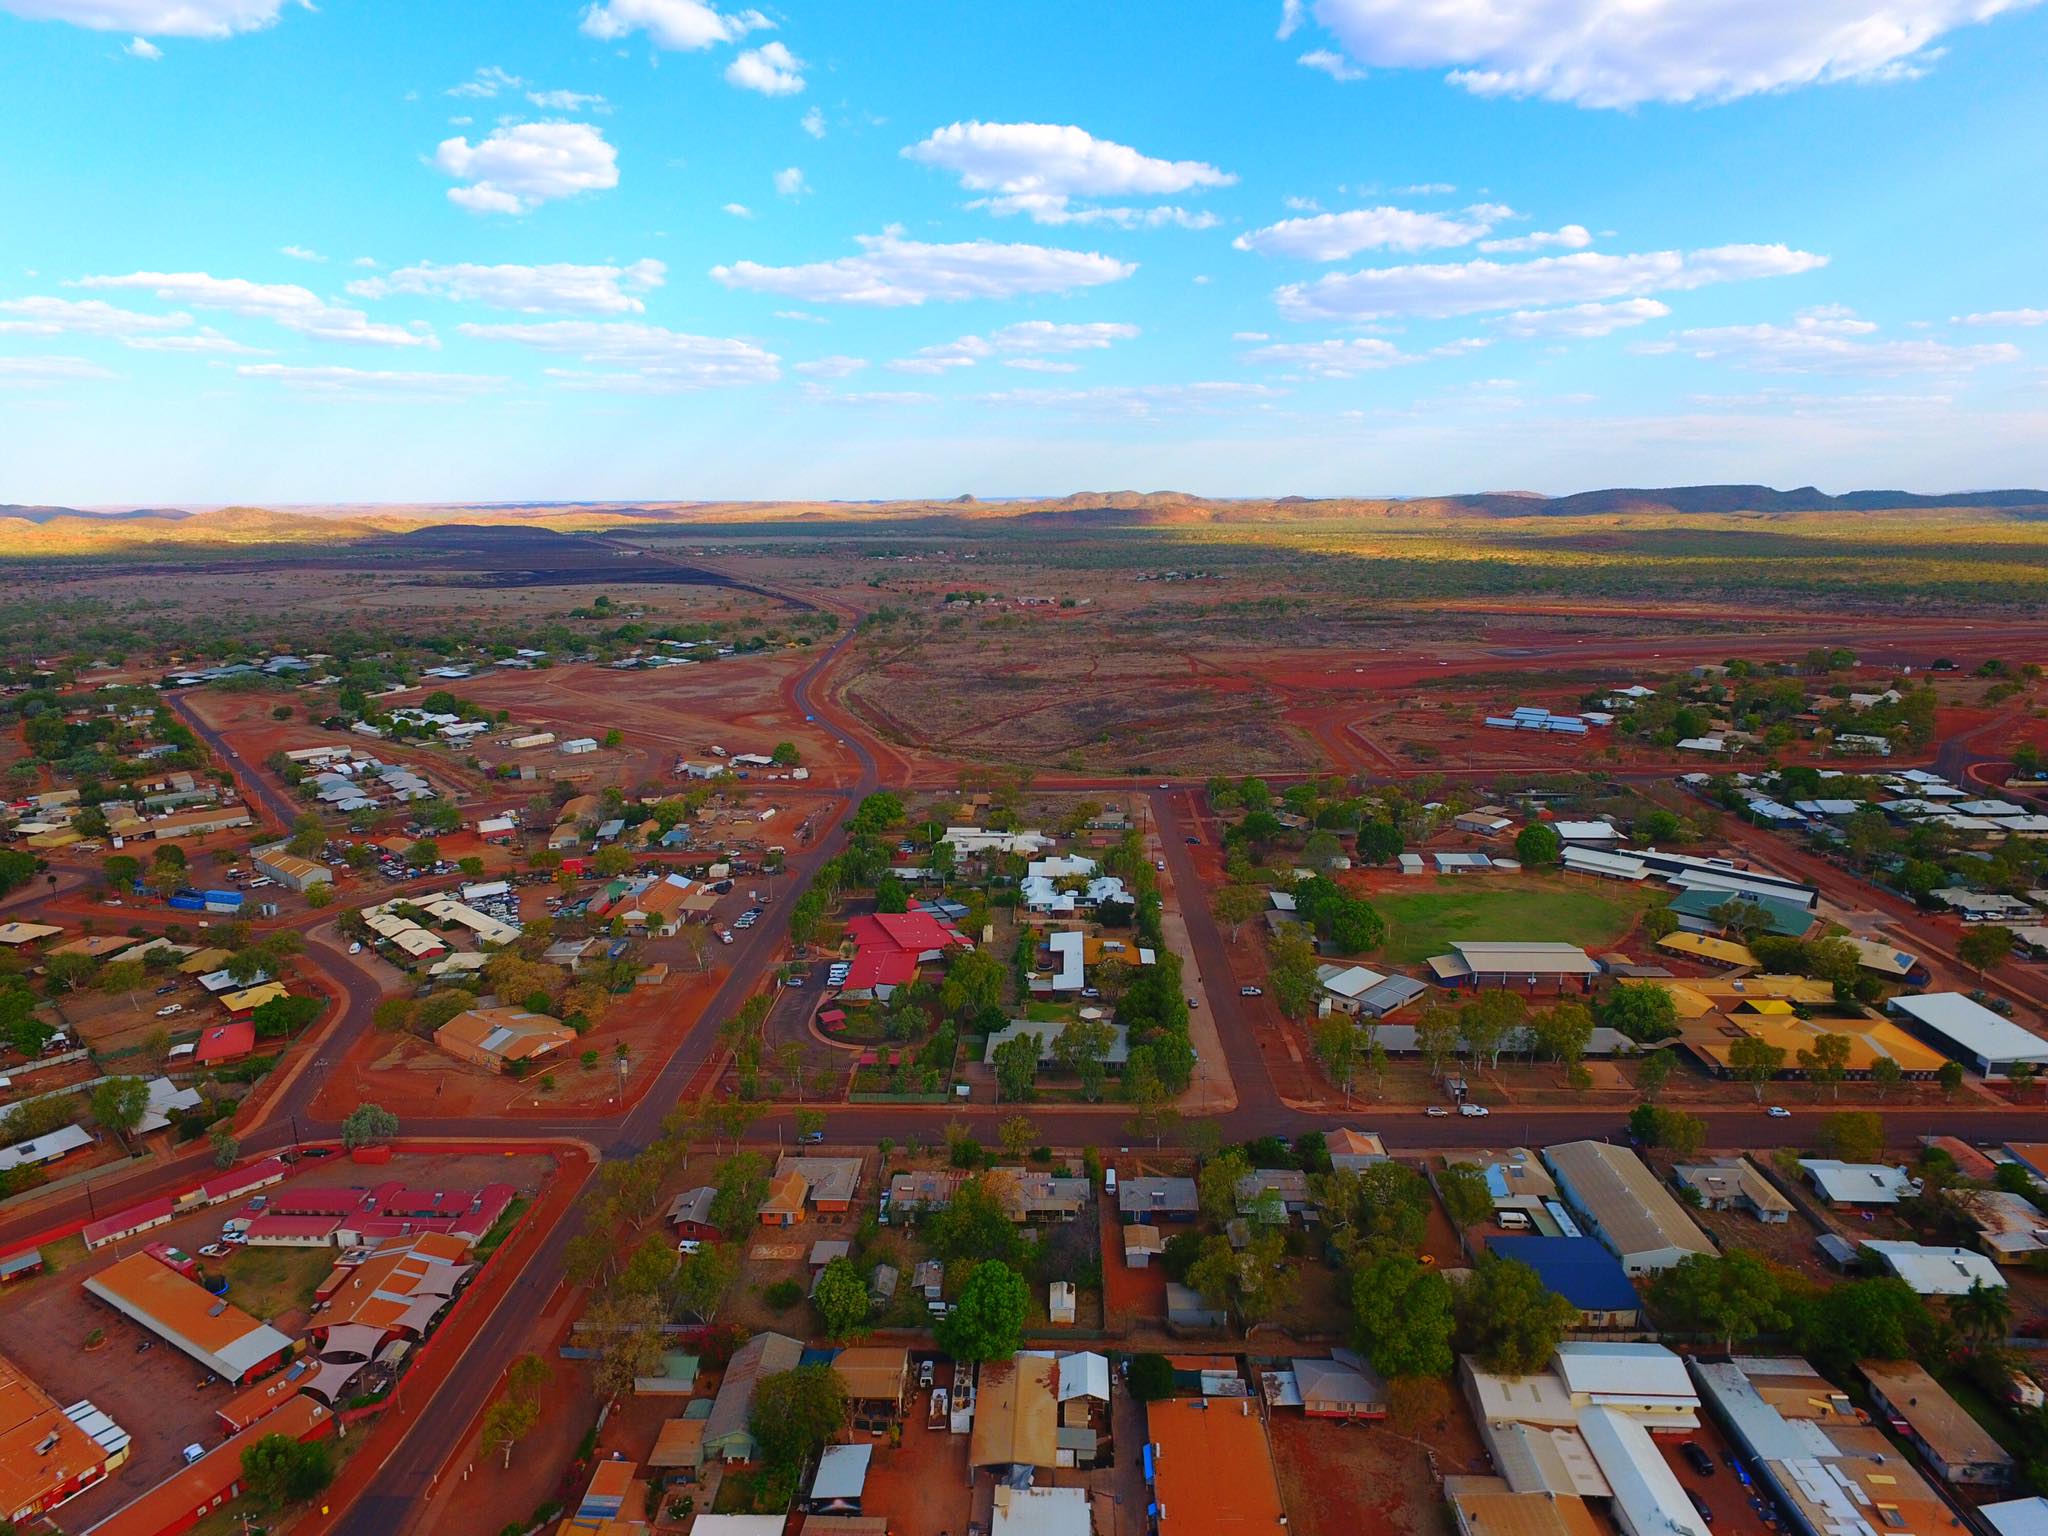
{"x":1582,"y":1271}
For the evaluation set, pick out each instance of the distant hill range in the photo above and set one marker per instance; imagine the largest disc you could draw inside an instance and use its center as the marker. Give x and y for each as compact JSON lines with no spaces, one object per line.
{"x":49,"y":531}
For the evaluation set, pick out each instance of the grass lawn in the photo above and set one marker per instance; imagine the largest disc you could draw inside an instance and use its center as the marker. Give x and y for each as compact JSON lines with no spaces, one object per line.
{"x":1039,"y":1011}
{"x":265,"y":1282}
{"x":1424,"y":921}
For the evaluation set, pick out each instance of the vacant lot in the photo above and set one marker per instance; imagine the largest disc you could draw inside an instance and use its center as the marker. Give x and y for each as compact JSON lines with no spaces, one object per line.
{"x":1426,"y":920}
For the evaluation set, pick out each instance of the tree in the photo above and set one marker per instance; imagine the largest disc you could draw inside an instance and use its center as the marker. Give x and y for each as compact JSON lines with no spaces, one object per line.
{"x":1235,"y":905}
{"x":742,"y":1185}
{"x":1216,"y":1185}
{"x":841,"y":1298}
{"x":611,"y":861}
{"x":987,"y":1322}
{"x":225,"y":1148}
{"x":1538,"y":846}
{"x":1019,"y":1136}
{"x":785,"y":755}
{"x":1652,"y":1072}
{"x":119,"y":1103}
{"x":1642,"y":1010}
{"x":974,"y":1224}
{"x":1378,"y":841}
{"x":1336,"y":1041}
{"x":280,"y":1470}
{"x":1950,"y":1076}
{"x":796,"y":1413}
{"x":1436,"y":1036}
{"x":1507,"y":1318}
{"x":366,"y":1125}
{"x":1827,"y":1061}
{"x":512,"y":1417}
{"x":1563,"y":1031}
{"x":703,"y":1278}
{"x":1402,"y":1317}
{"x":1487,"y":1025}
{"x":1985,"y":947}
{"x":1080,"y":1049}
{"x":1982,"y":1314}
{"x":1731,"y":1296}
{"x":1861,"y":1320}
{"x":626,"y":1326}
{"x":1886,"y":1075}
{"x":1254,"y":1282}
{"x":1016,"y":1063}
{"x":974,"y":982}
{"x":1756,"y":1062}
{"x":1855,"y":1135}
{"x":1150,"y":1377}
{"x":1465,"y":1195}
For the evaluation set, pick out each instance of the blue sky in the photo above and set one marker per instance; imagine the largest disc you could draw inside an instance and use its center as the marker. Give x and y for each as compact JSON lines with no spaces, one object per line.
{"x":255,"y":251}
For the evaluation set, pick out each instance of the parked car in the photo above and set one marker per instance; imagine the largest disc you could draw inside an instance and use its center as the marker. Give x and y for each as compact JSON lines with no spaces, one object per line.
{"x":355,"y":947}
{"x":213,"y":1251}
{"x":725,"y":935}
{"x":1251,"y":991}
{"x":1437,"y":1112}
{"x":193,"y":1452}
{"x":1194,"y":1002}
{"x":1192,"y":842}
{"x":1702,"y":1463}
{"x":811,"y":1138}
{"x":1474,"y":1111}
{"x":1700,"y":1505}
{"x":797,"y":980}
{"x":688,"y":1245}
{"x":168,"y":1009}
{"x":1779,"y":1112}
{"x":166,"y":989}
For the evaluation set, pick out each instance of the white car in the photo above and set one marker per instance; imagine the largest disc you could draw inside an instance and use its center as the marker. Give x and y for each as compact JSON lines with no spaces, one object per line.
{"x":725,"y":935}
{"x":168,"y":1009}
{"x":356,"y":948}
{"x":1779,"y":1112}
{"x":1251,"y":991}
{"x":688,"y":1245}
{"x":193,"y":1453}
{"x":1437,"y":1112}
{"x":1473,"y":1111}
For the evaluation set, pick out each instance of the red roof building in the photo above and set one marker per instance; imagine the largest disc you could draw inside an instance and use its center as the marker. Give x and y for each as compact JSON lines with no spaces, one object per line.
{"x":240,"y":1181}
{"x":890,"y":946}
{"x":177,"y":1503}
{"x":137,"y":1218}
{"x":225,"y":1042}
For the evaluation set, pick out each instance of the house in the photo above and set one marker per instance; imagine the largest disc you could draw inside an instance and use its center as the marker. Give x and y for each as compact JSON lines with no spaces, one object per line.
{"x":2016,"y":1517}
{"x":1707,"y":948}
{"x":1625,"y":1205}
{"x":1284,"y":1189}
{"x":50,"y":1455}
{"x":1582,"y":1271}
{"x":1587,"y":834}
{"x":1016,"y":1415}
{"x":727,"y":1433}
{"x":1048,"y":1034}
{"x":1352,"y":1150}
{"x":1935,"y":1271}
{"x":830,"y":1182}
{"x":1210,"y":1467}
{"x":1364,"y":993}
{"x":2010,"y":1228}
{"x":46,"y":1148}
{"x":289,"y":869}
{"x":889,"y":949}
{"x":1030,"y":1195}
{"x":1581,"y":860}
{"x":1920,"y":1410}
{"x":1187,"y":1311}
{"x":497,"y":1039}
{"x":221,"y":1337}
{"x":1785,"y":918}
{"x":784,"y":1206}
{"x":1031,"y":1512}
{"x":1516,"y":1180}
{"x":1970,"y":1033}
{"x":925,"y":1190}
{"x":1735,"y":1184}
{"x":1483,"y":820}
{"x":876,"y":1378}
{"x":1858,"y":1184}
{"x":1883,"y":960}
{"x":1345,"y":1386}
{"x":690,"y":1214}
{"x":224,"y":1042}
{"x":1150,"y":1198}
{"x":1142,"y":1241}
{"x":1482,"y":1506}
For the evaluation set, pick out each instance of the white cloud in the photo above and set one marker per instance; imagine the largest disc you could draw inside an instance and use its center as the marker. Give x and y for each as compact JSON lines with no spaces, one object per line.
{"x":789,"y":182}
{"x":813,"y":123}
{"x":1056,"y":208}
{"x":1619,"y":53}
{"x":1141,"y":400}
{"x":1428,"y":189}
{"x":521,"y":166}
{"x":142,"y":48}
{"x":1472,"y":287}
{"x":831,"y":367}
{"x":879,"y":398}
{"x":369,"y":262}
{"x":42,"y":316}
{"x":681,"y":25}
{"x":652,"y":353}
{"x":1579,"y":321}
{"x":891,"y":271}
{"x":369,"y":382}
{"x":770,"y":69}
{"x":1330,"y":63}
{"x":1569,"y":237}
{"x":300,"y":253}
{"x":154,"y":18}
{"x":2004,"y":317}
{"x":804,"y":316}
{"x":557,"y":287}
{"x":1334,"y":236}
{"x":739,"y":210}
{"x":23,"y":372}
{"x":286,"y":304}
{"x":569,"y":101}
{"x":1332,"y":359}
{"x":1031,"y":338}
{"x":1038,"y":168}
{"x":964,"y":353}
{"x":1249,"y":336}
{"x":1832,"y":340}
{"x":1290,"y":19}
{"x":486,"y":83}
{"x":204,"y":340}
{"x":1040,"y":365}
